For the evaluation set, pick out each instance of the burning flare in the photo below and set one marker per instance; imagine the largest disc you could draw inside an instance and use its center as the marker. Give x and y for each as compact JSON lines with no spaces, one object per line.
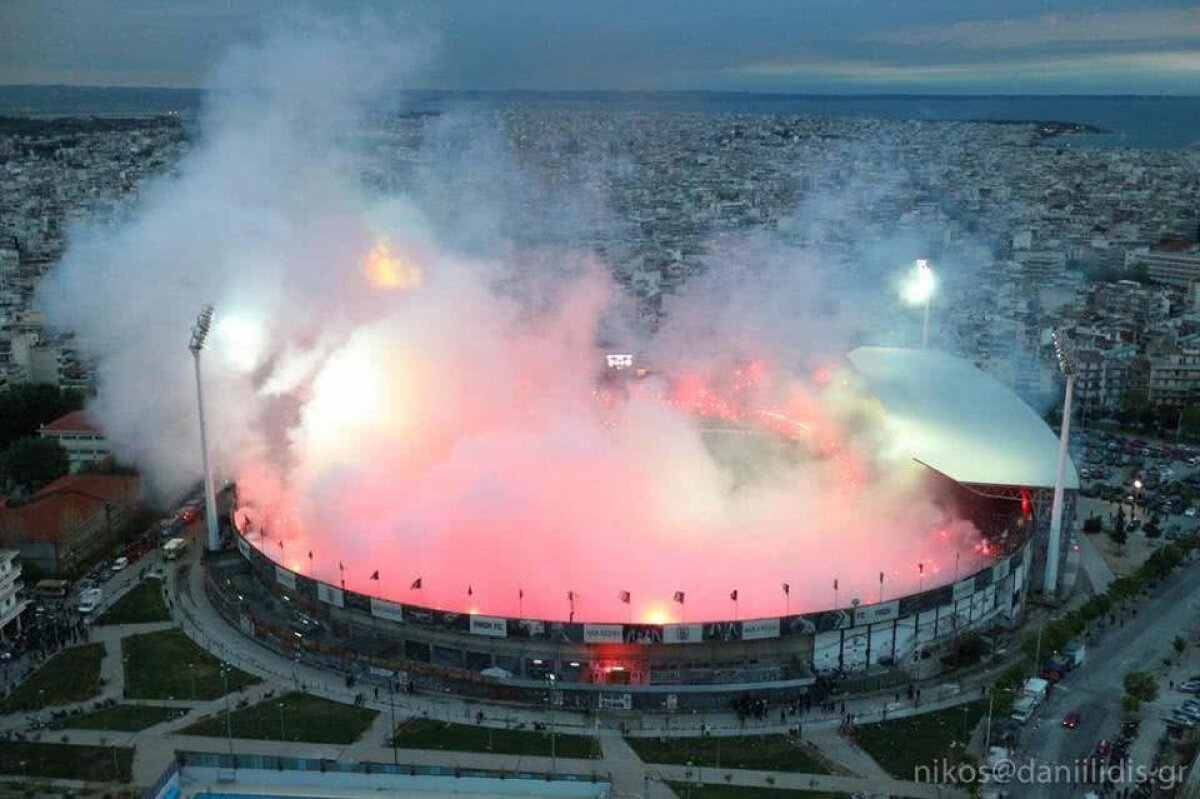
{"x":390,"y":272}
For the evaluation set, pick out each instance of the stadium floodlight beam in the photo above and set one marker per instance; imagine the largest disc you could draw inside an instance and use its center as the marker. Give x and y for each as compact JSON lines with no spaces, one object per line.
{"x":919,"y":291}
{"x":1066,"y":364}
{"x":199,"y":334}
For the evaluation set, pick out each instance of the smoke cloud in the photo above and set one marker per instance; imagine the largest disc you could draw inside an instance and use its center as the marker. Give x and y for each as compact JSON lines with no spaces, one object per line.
{"x":406,"y":377}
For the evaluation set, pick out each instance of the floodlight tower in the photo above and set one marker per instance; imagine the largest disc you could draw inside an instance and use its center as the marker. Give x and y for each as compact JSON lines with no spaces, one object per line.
{"x":919,"y":291}
{"x":1066,"y":364}
{"x":199,"y":333}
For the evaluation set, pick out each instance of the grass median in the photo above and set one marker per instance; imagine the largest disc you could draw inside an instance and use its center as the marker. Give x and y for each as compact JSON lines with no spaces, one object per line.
{"x":72,"y":675}
{"x":292,"y":717}
{"x":688,"y":790}
{"x":901,"y":745}
{"x":767,"y":752}
{"x":447,"y":736}
{"x":66,"y":761}
{"x":140,"y":605}
{"x":168,"y":665}
{"x":121,"y":718}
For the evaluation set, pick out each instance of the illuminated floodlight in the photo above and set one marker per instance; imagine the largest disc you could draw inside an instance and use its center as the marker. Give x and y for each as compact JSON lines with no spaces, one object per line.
{"x":921,"y":285}
{"x":918,"y":291}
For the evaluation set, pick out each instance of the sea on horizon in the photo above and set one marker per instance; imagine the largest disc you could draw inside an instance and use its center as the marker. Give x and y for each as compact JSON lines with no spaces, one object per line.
{"x":1134,"y":121}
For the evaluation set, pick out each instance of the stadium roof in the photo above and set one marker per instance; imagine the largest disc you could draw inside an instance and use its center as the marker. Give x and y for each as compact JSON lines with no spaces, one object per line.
{"x":953,"y":417}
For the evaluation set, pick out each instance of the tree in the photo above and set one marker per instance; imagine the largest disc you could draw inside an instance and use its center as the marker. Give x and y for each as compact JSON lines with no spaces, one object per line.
{"x":1119,"y":536}
{"x":1141,"y":685}
{"x":34,"y":462}
{"x":1179,"y":644}
{"x":1151,"y":528}
{"x":25,"y":407}
{"x":1189,"y":423}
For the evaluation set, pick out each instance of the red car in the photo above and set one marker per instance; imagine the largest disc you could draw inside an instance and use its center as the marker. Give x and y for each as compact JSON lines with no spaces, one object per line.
{"x":1071,"y":720}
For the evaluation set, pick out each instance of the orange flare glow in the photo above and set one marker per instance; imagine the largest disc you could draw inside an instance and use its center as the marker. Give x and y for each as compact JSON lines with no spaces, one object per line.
{"x":387,"y":271}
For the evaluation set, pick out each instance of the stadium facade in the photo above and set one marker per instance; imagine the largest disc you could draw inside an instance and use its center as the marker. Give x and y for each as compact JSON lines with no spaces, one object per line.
{"x":983,"y":448}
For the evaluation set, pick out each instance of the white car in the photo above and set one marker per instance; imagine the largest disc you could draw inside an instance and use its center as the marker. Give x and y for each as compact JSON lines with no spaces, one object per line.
{"x":120,"y":563}
{"x":1190,"y":512}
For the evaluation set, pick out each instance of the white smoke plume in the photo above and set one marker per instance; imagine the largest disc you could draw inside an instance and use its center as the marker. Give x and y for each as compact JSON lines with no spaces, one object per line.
{"x":401,"y":381}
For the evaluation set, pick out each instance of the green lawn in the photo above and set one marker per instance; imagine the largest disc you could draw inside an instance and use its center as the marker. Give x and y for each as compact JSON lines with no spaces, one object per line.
{"x":430,"y":734}
{"x":143,"y":603}
{"x":167,"y":665}
{"x":903,"y":744}
{"x":686,"y":790}
{"x":299,"y":717}
{"x":124,"y":718}
{"x":66,"y":761}
{"x":73,"y":675}
{"x":768,"y":752}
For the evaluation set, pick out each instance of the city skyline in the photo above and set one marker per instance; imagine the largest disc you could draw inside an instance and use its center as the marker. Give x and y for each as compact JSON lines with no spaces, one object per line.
{"x":821,"y":48}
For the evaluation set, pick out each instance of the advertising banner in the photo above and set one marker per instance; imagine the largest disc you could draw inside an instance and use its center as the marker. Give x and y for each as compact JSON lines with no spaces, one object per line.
{"x":683,"y":633}
{"x":489,"y":625}
{"x":964,"y":588}
{"x":330,"y":595}
{"x":876,"y":613}
{"x":643,"y":633}
{"x":1000,"y":570}
{"x":602,"y":634}
{"x":285,"y":578}
{"x":760,"y":628}
{"x":382,"y":609}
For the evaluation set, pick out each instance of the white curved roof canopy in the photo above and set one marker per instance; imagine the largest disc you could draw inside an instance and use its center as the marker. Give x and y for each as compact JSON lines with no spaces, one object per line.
{"x":953,"y":417}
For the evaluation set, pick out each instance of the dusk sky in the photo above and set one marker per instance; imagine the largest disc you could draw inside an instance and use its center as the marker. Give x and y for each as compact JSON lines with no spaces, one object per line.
{"x":804,"y":46}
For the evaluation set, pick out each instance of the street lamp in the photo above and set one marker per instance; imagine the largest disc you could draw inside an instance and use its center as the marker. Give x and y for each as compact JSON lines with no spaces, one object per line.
{"x":1137,"y":497}
{"x":553,"y":732}
{"x":392,"y":700}
{"x":918,"y":291}
{"x":228,"y":711}
{"x":199,"y":334}
{"x":1065,"y":355}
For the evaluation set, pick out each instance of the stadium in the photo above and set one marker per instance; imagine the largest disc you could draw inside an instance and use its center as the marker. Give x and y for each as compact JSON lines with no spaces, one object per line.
{"x":978,"y":449}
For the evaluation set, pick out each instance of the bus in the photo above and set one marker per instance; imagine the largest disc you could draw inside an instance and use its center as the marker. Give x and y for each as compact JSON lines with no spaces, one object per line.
{"x":172,"y":549}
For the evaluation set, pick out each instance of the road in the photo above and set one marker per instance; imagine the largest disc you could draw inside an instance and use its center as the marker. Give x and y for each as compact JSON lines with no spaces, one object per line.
{"x":1095,"y":689}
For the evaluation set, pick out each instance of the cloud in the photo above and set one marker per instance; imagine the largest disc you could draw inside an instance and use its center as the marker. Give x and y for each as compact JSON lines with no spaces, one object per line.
{"x":1170,"y":63}
{"x":1165,"y":25}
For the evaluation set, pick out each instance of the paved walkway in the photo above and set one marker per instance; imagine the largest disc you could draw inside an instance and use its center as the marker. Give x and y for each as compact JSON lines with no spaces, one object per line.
{"x":845,"y":754}
{"x":1099,"y":573}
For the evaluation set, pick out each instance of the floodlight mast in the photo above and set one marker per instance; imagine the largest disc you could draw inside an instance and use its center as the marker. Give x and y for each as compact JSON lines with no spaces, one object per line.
{"x":199,"y":334}
{"x":1066,"y":364}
